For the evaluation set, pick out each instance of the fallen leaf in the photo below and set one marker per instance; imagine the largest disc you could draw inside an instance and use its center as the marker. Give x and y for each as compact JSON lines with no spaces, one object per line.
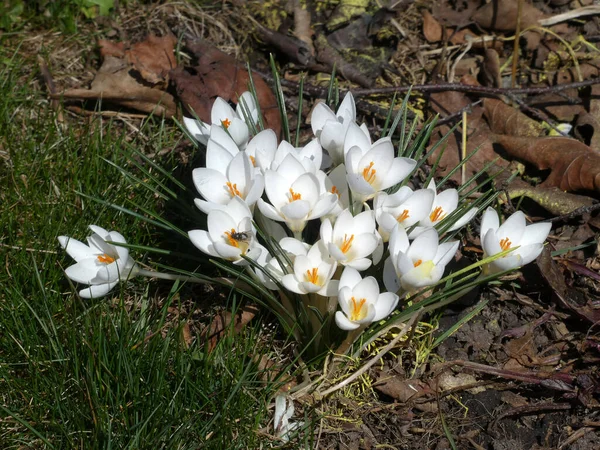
{"x":152,"y":58}
{"x":570,"y":298}
{"x":218,"y":74}
{"x":432,"y":30}
{"x":501,"y":15}
{"x":573,"y":165}
{"x":503,"y":119}
{"x":224,"y":320}
{"x":552,"y":199}
{"x":491,"y":68}
{"x":114,"y":84}
{"x":401,"y":389}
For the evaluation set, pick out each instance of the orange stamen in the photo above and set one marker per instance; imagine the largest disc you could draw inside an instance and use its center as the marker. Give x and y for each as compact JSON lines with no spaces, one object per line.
{"x":312,"y":276}
{"x":294,"y":195}
{"x":357,"y":308}
{"x":226,"y":123}
{"x":105,"y":259}
{"x":233,"y":190}
{"x":505,"y":244}
{"x":418,"y":263}
{"x":253,"y":159}
{"x":437,"y":214}
{"x":402,"y":217}
{"x":334,"y":190}
{"x":232,"y":241}
{"x":347,"y":243}
{"x":369,"y":173}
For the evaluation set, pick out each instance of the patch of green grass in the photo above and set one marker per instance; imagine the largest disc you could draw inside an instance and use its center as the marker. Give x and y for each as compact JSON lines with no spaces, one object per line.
{"x":113,"y":372}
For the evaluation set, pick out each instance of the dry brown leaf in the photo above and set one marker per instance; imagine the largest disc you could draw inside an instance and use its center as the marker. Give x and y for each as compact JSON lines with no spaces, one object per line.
{"x":401,"y":389}
{"x":491,"y":68}
{"x":504,"y":119}
{"x":573,"y":165}
{"x":432,"y":30}
{"x":218,"y":74}
{"x":501,"y":15}
{"x":114,"y":84}
{"x":222,"y":321}
{"x":152,"y":58}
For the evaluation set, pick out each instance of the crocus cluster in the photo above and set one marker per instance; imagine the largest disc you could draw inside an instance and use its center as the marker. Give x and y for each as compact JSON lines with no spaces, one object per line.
{"x":343,"y":226}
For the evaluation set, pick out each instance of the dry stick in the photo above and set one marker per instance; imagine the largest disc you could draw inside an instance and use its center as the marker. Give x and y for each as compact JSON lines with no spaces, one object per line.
{"x":316,"y":91}
{"x":376,"y":358}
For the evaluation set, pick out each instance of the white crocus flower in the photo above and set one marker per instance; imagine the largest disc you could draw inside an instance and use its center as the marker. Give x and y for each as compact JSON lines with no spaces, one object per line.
{"x":293,"y":248}
{"x":311,"y":155}
{"x":294,"y":195}
{"x":417,"y":264}
{"x":527,"y":240}
{"x":223,"y":115}
{"x":404,"y":207}
{"x":230,"y":233}
{"x":261,"y":149}
{"x":444,"y":204}
{"x":227,"y":174}
{"x":99,"y":264}
{"x":330,"y":128}
{"x":283,"y":413}
{"x":352,"y":239}
{"x":361,"y":302}
{"x":374,"y":169}
{"x":313,"y":273}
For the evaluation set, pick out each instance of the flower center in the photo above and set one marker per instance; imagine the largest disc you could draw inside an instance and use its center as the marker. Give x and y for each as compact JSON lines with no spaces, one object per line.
{"x":505,"y":244}
{"x":294,"y":196}
{"x":226,"y":123}
{"x":312,"y":276}
{"x":356,"y":309}
{"x":334,"y":190}
{"x":253,"y":159}
{"x":347,"y":243}
{"x":437,"y":214}
{"x":418,"y":262}
{"x":369,"y":173}
{"x":105,"y":259}
{"x":233,"y":190}
{"x":402,"y":217}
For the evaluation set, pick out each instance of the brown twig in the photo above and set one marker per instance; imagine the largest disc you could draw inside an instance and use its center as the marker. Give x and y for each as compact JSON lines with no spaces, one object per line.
{"x":578,"y":212}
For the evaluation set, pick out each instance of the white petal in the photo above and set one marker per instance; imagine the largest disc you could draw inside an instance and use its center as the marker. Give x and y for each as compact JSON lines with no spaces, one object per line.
{"x":76,"y":249}
{"x":390,"y":279}
{"x":98,"y":290}
{"x":489,"y":220}
{"x":291,"y":283}
{"x":201,"y":239}
{"x":464,"y":219}
{"x":535,"y":234}
{"x":350,"y":278}
{"x":344,"y":323}
{"x":211,"y":185}
{"x":367,"y":288}
{"x":386,"y":303}
{"x":445,"y":253}
{"x":321,"y":113}
{"x":425,"y":246}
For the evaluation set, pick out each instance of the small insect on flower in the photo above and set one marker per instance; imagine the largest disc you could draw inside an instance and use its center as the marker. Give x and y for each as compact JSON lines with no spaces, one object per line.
{"x":244,"y":236}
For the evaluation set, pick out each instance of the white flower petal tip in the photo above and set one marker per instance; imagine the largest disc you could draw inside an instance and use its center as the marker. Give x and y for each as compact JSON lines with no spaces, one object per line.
{"x":282,"y":425}
{"x":100,"y":265}
{"x":526,"y":241}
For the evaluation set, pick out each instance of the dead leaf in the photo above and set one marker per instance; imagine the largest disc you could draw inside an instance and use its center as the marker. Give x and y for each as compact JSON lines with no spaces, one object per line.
{"x":501,"y":15}
{"x":152,"y":58}
{"x":401,"y":389}
{"x":114,"y":84}
{"x":504,"y":119}
{"x":570,"y":298}
{"x":222,"y":321}
{"x":491,"y":68}
{"x":573,"y":165}
{"x":587,"y":129}
{"x":432,"y":30}
{"x":218,"y":74}
{"x":554,"y":200}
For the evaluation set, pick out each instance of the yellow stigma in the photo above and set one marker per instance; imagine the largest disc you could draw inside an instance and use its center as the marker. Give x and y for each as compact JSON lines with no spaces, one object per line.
{"x":347,"y":243}
{"x":253,"y":159}
{"x":226,"y":123}
{"x":233,"y":190}
{"x":105,"y":259}
{"x":312,"y":276}
{"x":369,"y":173}
{"x":357,"y":312}
{"x":294,"y":195}
{"x":418,"y":263}
{"x":437,"y":214}
{"x":402,"y":217}
{"x":505,"y":244}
